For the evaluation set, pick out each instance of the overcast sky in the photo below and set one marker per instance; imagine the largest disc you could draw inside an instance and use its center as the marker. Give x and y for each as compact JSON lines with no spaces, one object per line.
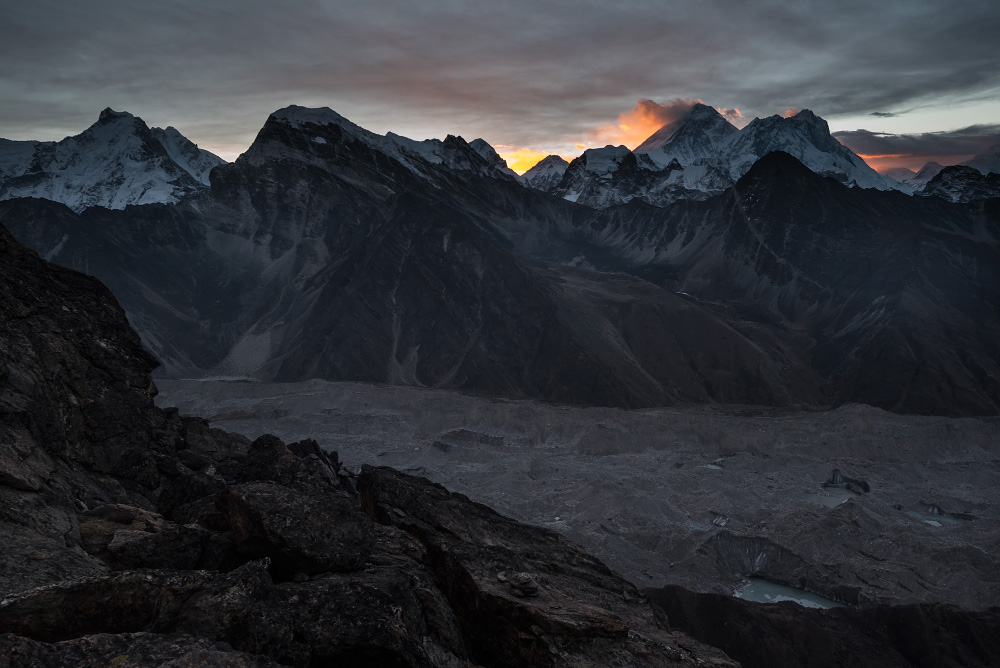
{"x":539,"y":75}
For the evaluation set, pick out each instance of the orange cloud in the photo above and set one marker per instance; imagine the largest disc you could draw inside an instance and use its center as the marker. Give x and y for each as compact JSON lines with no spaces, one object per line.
{"x":734,"y":116}
{"x":881,"y":163}
{"x":791,"y":111}
{"x":636,"y":125}
{"x":520,"y":159}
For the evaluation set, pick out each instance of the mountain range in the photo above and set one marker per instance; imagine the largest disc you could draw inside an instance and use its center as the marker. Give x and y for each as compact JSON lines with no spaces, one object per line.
{"x":329,"y":251}
{"x":974,"y":179}
{"x":700,"y":155}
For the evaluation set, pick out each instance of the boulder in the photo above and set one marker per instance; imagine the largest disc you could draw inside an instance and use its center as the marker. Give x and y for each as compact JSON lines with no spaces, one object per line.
{"x":298,"y":531}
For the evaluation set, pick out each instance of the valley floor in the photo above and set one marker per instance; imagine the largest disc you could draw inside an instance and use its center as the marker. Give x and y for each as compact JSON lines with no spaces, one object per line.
{"x":700,"y":496}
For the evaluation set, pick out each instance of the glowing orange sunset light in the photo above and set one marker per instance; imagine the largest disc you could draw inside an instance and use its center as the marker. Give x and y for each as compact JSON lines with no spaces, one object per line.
{"x":520,"y":159}
{"x":631,"y":128}
{"x":881,"y":163}
{"x":636,"y":125}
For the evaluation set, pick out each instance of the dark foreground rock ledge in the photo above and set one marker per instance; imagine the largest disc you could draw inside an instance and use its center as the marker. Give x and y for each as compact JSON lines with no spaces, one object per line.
{"x":132,"y":536}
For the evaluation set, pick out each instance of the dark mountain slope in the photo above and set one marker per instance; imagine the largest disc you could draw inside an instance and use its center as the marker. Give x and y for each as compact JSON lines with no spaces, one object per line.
{"x":898,"y":296}
{"x":131,"y":536}
{"x":134,"y":537}
{"x":328,"y":251}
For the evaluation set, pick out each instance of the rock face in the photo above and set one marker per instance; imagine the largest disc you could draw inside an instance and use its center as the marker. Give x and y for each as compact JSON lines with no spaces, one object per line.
{"x":134,"y":537}
{"x":963,"y":184}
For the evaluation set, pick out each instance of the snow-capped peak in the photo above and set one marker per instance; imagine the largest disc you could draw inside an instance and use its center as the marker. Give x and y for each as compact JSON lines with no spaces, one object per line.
{"x":115,"y":162}
{"x":546,"y":174}
{"x":702,"y":154}
{"x":603,"y":161}
{"x":807,"y":137}
{"x":962,"y":183}
{"x":489,"y":154}
{"x":550,"y":164}
{"x":697,"y":136}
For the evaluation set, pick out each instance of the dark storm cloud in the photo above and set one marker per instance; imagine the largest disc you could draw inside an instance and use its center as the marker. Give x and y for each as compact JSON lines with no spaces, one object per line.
{"x":883,"y":114}
{"x":518,"y":72}
{"x":967,"y":141}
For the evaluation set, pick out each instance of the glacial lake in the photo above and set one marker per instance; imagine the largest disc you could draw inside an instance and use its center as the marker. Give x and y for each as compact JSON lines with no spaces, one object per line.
{"x":763,"y":591}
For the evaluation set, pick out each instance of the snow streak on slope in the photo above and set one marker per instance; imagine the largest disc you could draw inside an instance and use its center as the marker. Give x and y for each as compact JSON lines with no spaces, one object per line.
{"x":186,"y":154}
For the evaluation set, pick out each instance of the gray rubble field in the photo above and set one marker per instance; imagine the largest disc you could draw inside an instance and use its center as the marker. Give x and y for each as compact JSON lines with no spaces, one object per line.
{"x":702,"y":497}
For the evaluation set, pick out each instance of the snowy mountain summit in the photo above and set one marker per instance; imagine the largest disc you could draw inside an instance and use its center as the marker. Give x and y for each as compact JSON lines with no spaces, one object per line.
{"x":701,"y":134}
{"x":702,"y":154}
{"x":116,"y":162}
{"x":807,"y":137}
{"x":546,"y":174}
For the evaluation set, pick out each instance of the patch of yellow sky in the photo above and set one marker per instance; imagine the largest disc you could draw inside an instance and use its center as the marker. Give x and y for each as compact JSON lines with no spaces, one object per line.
{"x":520,"y":159}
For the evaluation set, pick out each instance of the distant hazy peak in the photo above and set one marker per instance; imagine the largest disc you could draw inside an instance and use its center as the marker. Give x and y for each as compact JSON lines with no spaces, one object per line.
{"x":986,"y":162}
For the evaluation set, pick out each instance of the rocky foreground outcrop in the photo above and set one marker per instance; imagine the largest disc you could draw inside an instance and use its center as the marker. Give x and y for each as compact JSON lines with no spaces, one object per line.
{"x":132,"y":536}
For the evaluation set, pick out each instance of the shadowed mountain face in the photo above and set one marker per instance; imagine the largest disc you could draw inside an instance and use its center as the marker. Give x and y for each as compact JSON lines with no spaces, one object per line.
{"x":132,"y":536}
{"x":326,"y":251}
{"x":963,"y":184}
